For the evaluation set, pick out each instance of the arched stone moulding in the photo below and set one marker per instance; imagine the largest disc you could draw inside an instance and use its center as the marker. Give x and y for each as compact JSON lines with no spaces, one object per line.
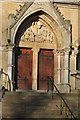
{"x":48,"y":8}
{"x":51,"y":25}
{"x":45,"y":30}
{"x":49,"y":17}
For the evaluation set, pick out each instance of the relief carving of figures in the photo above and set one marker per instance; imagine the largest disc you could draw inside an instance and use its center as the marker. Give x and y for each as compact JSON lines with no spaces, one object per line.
{"x":37,"y":33}
{"x":28,"y":35}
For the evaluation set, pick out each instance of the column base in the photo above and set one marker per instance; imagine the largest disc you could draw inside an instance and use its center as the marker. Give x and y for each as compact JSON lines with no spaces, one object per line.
{"x":64,"y":87}
{"x":77,"y":84}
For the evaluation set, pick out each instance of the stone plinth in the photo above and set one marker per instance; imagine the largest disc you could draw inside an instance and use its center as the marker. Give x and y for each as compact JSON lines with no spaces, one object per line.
{"x":64,"y":88}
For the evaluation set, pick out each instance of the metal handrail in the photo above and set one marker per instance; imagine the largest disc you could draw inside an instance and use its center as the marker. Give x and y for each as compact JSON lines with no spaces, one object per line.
{"x":8,"y":76}
{"x":8,"y":79}
{"x":72,"y":115}
{"x":65,"y":102}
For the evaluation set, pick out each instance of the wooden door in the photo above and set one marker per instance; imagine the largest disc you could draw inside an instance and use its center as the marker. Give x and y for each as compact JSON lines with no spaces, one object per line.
{"x":24,"y":68}
{"x":46,"y":68}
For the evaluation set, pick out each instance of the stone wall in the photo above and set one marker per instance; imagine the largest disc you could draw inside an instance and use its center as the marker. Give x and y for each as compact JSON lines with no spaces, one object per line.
{"x":70,"y":12}
{"x":7,"y":8}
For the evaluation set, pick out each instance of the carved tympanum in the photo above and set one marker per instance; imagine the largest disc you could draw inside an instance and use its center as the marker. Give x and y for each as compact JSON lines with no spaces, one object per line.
{"x":37,"y":32}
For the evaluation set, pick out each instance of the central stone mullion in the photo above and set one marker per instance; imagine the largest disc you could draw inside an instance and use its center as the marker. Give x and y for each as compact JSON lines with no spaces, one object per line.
{"x":35,"y":67}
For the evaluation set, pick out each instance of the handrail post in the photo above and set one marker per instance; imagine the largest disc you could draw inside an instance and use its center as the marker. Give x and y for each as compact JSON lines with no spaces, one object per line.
{"x":65,"y":112}
{"x":71,"y":116}
{"x":52,"y":81}
{"x":61,"y":106}
{"x":8,"y":81}
{"x":48,"y":79}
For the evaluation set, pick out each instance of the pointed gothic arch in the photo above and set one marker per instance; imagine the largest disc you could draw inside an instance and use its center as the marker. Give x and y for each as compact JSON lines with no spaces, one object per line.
{"x":40,"y":21}
{"x":55,"y":18}
{"x":47,"y":16}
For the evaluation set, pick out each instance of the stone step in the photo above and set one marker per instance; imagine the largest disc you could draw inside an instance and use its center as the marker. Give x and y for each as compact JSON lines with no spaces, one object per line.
{"x":22,"y":112}
{"x":31,"y":104}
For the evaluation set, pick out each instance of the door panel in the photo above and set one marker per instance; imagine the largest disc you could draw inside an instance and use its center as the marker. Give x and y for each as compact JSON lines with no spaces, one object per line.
{"x":46,"y":68}
{"x":24,"y":69}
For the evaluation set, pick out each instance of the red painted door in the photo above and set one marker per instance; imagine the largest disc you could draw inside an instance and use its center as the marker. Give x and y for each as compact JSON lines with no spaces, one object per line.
{"x":46,"y":68}
{"x":24,"y":69}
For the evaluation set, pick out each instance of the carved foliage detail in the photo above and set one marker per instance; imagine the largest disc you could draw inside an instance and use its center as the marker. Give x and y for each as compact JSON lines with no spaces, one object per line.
{"x":37,"y":32}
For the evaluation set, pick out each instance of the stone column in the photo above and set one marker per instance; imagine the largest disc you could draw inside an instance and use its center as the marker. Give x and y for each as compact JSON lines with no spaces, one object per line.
{"x":66,"y":87}
{"x":55,"y":67}
{"x":10,"y":85}
{"x":59,"y":68}
{"x":60,"y":84}
{"x":35,"y":68}
{"x":66,"y":67}
{"x":62,"y":67}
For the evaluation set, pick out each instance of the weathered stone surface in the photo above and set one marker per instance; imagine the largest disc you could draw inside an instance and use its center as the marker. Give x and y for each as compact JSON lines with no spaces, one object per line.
{"x":37,"y":33}
{"x":56,"y":20}
{"x":37,"y":105}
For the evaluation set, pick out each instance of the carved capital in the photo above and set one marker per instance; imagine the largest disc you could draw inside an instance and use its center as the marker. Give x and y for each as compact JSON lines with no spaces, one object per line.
{"x":75,"y":52}
{"x":60,"y":52}
{"x":67,"y":50}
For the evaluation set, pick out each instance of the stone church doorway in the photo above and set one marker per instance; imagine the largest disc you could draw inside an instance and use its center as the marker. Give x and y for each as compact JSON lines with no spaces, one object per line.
{"x":43,"y":30}
{"x":35,"y":64}
{"x":24,"y":68}
{"x":46,"y":68}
